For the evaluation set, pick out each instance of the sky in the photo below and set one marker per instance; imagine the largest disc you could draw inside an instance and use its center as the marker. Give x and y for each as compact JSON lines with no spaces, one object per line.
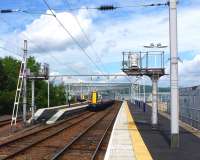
{"x":102,"y":35}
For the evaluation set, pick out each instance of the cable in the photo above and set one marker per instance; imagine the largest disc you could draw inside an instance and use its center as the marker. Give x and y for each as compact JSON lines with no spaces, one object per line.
{"x":85,"y":35}
{"x":72,"y":37}
{"x":8,"y":50}
{"x":102,"y":7}
{"x":50,"y":55}
{"x":144,"y":5}
{"x":28,"y":12}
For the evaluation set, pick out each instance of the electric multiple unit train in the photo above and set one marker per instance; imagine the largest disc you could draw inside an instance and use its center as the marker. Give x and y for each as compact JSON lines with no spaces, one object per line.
{"x":97,"y":102}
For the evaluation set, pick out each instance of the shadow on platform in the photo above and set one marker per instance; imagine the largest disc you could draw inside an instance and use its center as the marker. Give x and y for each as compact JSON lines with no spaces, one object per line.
{"x":158,"y":140}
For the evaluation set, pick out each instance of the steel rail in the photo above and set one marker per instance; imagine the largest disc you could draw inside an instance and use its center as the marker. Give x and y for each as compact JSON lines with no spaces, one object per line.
{"x":39,"y":130}
{"x":7,"y":121}
{"x":61,"y":152}
{"x":44,"y":138}
{"x":103,"y":136}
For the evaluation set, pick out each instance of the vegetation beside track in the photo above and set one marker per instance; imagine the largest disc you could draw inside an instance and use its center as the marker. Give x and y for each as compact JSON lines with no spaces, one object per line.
{"x":9,"y":71}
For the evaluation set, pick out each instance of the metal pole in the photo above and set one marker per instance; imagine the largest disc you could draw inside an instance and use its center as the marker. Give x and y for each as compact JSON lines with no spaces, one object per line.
{"x":130,"y":93}
{"x":144,"y":96}
{"x":144,"y":90}
{"x":48,"y":101}
{"x":139,"y":91}
{"x":123,"y":59}
{"x":66,"y":91}
{"x":81,"y":90}
{"x":154,"y":118}
{"x":133,"y":86}
{"x":25,"y":83}
{"x":174,"y":74}
{"x":33,"y":99}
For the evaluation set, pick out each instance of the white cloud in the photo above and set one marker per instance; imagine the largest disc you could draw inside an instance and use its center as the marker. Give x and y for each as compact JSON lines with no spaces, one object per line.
{"x":110,"y":38}
{"x":190,"y":71}
{"x":190,"y":67}
{"x":47,"y":34}
{"x":189,"y":30}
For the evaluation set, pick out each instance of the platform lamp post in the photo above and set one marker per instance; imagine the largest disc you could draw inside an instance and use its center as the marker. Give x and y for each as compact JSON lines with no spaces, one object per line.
{"x":154,"y":79}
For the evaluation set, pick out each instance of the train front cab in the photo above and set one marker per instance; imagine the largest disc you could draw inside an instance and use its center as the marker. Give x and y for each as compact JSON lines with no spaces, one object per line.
{"x":96,"y":104}
{"x":92,"y":106}
{"x":94,"y":97}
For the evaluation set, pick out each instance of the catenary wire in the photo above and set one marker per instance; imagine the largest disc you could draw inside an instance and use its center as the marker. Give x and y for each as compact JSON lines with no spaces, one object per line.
{"x":72,"y":37}
{"x":85,"y":35}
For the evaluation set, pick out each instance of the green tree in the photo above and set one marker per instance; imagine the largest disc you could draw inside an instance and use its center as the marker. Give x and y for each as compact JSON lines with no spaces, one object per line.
{"x":9,"y":72}
{"x":3,"y":77}
{"x":33,"y":66}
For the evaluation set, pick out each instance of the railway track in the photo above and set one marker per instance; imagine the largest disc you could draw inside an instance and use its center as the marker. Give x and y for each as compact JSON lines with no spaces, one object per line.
{"x":7,"y":122}
{"x":51,"y":141}
{"x":90,"y":140}
{"x":11,"y":147}
{"x":4,"y":122}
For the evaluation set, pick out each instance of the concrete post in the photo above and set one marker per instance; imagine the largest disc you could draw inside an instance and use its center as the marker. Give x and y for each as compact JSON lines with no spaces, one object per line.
{"x":154,"y":117}
{"x":174,"y":75}
{"x":33,"y":98}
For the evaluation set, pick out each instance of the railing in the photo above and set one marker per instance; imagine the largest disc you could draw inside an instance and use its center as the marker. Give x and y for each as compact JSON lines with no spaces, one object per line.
{"x":190,"y":116}
{"x":145,"y":60}
{"x":187,"y":113}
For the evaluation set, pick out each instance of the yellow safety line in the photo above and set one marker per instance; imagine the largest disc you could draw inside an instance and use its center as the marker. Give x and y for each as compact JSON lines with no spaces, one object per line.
{"x":139,"y":147}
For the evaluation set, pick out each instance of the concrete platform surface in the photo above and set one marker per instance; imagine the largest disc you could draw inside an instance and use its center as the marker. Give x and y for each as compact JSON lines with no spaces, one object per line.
{"x":125,"y":141}
{"x":44,"y":114}
{"x":61,"y":113}
{"x":158,"y":140}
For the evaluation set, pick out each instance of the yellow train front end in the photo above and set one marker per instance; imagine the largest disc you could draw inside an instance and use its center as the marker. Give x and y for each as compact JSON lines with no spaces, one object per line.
{"x":96,"y":103}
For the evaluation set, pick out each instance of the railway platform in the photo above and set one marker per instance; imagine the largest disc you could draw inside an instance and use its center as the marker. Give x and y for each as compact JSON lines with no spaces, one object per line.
{"x":45,"y":114}
{"x":62,"y":113}
{"x":126,"y":142}
{"x":133,"y":137}
{"x":117,"y":133}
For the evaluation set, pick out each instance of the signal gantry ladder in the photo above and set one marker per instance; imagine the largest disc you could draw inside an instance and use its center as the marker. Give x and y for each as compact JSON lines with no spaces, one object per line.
{"x":20,"y":83}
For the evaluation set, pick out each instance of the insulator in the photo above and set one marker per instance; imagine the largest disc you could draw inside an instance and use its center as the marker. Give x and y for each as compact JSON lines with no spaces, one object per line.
{"x":106,"y":7}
